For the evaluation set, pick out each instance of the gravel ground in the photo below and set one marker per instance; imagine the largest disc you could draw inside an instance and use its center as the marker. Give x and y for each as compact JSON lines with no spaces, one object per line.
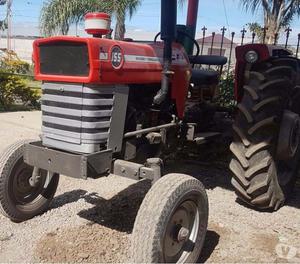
{"x":91,"y":221}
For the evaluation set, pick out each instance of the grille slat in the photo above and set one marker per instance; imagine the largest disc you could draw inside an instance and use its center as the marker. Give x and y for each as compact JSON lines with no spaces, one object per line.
{"x":82,"y":116}
{"x":79,"y":118}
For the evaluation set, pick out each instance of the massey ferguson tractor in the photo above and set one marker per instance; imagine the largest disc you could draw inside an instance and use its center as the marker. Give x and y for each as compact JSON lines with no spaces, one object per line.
{"x":116,"y":107}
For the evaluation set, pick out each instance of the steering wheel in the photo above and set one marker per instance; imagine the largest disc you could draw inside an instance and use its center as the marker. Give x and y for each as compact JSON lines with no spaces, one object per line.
{"x":186,"y":35}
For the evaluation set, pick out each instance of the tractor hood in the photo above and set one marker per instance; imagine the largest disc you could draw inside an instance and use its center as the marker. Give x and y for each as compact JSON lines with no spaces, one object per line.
{"x":102,"y":61}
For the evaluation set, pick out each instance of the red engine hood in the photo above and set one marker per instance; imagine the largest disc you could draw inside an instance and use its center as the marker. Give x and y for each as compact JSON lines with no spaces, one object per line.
{"x":140,"y":63}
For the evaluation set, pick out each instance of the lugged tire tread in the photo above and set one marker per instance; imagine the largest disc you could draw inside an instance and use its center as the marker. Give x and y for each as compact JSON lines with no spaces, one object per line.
{"x":236,"y":168}
{"x":240,"y":189}
{"x":264,"y":102}
{"x":266,"y":122}
{"x":268,"y":83}
{"x":241,"y":135}
{"x":259,"y":185}
{"x":257,"y":75}
{"x":279,"y":70}
{"x":256,"y":148}
{"x":274,"y":83}
{"x":264,"y":164}
{"x":252,"y":92}
{"x":239,"y":155}
{"x":245,"y":113}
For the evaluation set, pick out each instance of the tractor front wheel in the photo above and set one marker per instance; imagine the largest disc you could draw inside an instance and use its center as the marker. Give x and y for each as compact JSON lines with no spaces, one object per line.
{"x":21,"y":200}
{"x":172,"y":221}
{"x":266,"y":134}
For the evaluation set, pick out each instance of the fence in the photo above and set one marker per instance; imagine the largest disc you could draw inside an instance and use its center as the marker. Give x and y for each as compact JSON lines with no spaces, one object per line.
{"x":216,"y":43}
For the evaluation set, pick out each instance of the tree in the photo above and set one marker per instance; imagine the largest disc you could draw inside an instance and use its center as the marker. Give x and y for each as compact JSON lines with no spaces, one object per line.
{"x":58,"y":15}
{"x":278,"y":14}
{"x":257,"y":29}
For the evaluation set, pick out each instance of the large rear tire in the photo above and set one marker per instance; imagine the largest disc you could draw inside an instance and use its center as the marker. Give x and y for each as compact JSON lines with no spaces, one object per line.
{"x":260,"y":177}
{"x":172,"y":221}
{"x":20,"y":201}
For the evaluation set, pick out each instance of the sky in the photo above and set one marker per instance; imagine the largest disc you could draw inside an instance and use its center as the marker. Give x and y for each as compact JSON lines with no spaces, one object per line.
{"x":214,"y":14}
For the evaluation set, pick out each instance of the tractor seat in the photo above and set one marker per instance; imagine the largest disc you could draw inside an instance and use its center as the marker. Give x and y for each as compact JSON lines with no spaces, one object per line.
{"x":208,"y":60}
{"x":204,"y":77}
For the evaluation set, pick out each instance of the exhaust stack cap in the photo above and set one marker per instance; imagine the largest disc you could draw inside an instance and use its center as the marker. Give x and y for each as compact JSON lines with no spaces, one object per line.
{"x":97,"y":24}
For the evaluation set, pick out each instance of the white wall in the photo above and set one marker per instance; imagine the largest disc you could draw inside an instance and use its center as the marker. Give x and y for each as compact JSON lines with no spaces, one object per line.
{"x":23,"y":47}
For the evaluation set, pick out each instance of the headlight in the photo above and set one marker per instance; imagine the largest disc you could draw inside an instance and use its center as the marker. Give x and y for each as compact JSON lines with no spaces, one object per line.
{"x":251,"y":56}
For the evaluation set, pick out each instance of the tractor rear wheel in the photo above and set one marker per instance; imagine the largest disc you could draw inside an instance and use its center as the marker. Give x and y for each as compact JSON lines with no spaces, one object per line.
{"x":172,"y":221}
{"x":19,"y":199}
{"x":266,"y":135}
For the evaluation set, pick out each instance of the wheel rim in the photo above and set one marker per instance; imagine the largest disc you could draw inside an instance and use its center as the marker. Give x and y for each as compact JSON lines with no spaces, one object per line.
{"x":288,"y":167}
{"x":294,"y":138}
{"x":21,"y":191}
{"x":181,"y":232}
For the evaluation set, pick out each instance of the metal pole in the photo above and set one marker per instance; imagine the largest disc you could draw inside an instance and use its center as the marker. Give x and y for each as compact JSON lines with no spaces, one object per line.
{"x":204,"y":32}
{"x":244,"y":31}
{"x":212,"y":42}
{"x":230,"y":54}
{"x":288,"y":30}
{"x":9,"y":24}
{"x":223,"y":29}
{"x":149,"y":130}
{"x":298,"y":46}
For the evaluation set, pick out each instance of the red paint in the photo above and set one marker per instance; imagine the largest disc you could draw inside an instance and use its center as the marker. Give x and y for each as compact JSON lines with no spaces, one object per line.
{"x":192,"y":13}
{"x":265,"y":52}
{"x":97,"y":15}
{"x":131,"y":72}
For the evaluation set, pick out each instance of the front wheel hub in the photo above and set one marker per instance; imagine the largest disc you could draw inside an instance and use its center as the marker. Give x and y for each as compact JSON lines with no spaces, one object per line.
{"x":183,"y":234}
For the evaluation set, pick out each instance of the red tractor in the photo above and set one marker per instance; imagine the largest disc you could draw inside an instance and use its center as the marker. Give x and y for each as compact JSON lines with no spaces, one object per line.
{"x":266,"y":129}
{"x":115,"y":107}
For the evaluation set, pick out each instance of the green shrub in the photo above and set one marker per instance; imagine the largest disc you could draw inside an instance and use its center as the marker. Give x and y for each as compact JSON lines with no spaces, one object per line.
{"x":13,"y":88}
{"x":226,"y":91}
{"x":14,"y":83}
{"x":14,"y":65}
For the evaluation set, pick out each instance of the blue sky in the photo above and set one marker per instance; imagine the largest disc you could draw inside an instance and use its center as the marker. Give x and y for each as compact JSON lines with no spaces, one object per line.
{"x":146,"y":20}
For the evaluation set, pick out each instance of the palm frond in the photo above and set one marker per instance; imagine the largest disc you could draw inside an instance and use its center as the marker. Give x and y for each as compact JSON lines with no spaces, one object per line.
{"x":57,"y":15}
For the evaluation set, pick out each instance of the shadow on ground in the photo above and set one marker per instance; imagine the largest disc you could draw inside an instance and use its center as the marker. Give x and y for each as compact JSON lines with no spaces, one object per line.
{"x":120,"y":211}
{"x":211,"y":242}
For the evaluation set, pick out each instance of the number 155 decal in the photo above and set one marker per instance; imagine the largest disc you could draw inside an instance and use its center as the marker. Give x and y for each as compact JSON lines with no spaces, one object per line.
{"x":116,"y":57}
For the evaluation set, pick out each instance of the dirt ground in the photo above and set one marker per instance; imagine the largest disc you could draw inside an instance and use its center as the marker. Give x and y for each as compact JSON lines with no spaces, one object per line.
{"x":92,"y":221}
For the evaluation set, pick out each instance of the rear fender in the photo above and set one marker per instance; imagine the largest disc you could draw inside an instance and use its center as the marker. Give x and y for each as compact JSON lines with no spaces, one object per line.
{"x":265,"y":52}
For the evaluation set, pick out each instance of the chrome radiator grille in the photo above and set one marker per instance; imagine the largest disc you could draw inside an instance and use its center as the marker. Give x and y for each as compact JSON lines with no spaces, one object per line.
{"x":77,"y":117}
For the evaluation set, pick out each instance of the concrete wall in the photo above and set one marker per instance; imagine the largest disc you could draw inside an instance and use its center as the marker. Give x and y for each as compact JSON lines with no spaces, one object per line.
{"x":23,"y":47}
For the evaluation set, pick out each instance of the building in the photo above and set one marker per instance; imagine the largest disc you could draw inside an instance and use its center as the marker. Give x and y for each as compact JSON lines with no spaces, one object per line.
{"x":212,"y":46}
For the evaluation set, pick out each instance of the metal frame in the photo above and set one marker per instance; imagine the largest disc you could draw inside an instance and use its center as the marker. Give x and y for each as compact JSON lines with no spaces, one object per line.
{"x":79,"y":166}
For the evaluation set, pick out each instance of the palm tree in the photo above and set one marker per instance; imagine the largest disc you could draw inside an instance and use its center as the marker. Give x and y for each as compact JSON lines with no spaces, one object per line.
{"x":58,"y":15}
{"x":119,"y":8}
{"x":278,"y":14}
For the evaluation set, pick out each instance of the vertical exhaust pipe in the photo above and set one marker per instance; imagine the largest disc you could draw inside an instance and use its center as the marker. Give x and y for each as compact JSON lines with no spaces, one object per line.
{"x":192,"y":16}
{"x":168,"y":35}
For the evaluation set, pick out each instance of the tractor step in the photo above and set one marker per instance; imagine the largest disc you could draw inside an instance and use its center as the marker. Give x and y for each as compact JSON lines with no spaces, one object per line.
{"x":202,"y":138}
